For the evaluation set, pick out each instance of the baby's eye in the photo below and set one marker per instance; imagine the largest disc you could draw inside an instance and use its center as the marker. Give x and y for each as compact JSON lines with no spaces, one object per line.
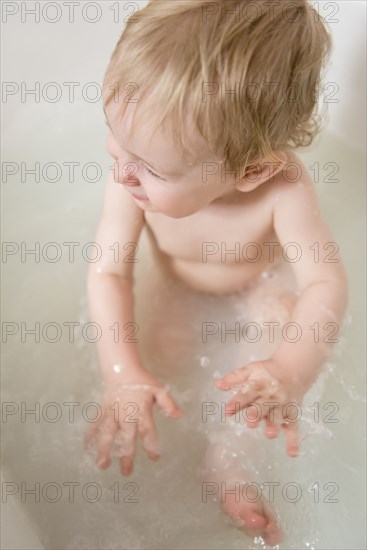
{"x":153,"y":174}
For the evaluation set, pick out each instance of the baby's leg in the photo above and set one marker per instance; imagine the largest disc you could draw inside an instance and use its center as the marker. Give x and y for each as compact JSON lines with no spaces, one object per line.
{"x":266,"y":307}
{"x":227,"y":477}
{"x":234,"y":452}
{"x":164,"y":311}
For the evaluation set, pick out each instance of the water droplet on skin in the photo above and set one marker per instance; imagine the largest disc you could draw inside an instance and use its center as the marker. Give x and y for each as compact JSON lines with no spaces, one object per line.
{"x":204,"y":361}
{"x":330,"y":367}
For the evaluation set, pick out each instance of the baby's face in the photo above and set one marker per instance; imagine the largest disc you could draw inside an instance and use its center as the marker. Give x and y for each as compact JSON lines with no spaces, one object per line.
{"x":155,"y":174}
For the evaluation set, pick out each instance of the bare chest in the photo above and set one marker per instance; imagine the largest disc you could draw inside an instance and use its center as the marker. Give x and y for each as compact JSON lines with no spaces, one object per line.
{"x":228,"y":235}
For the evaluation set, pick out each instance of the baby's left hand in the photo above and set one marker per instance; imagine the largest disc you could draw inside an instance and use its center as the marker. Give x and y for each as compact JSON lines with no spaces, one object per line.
{"x":266,"y":398}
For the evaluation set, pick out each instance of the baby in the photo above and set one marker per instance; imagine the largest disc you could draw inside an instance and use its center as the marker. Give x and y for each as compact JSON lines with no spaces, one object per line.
{"x":206,"y":102}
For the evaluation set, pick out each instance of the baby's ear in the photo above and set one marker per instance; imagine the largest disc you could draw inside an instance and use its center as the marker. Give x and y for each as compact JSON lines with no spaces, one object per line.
{"x":257,"y":173}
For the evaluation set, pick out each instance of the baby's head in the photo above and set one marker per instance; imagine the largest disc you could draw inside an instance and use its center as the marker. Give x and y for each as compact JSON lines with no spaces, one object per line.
{"x":204,"y":98}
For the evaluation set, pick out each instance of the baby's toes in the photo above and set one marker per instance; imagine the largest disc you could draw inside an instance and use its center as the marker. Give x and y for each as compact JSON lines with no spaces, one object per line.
{"x":247,"y":516}
{"x":272,"y":534}
{"x":253,"y":522}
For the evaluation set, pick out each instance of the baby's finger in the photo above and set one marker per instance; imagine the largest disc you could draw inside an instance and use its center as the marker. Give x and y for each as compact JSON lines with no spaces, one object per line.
{"x":260,"y":410}
{"x":292,"y":438}
{"x":105,"y":442}
{"x":167,"y":403}
{"x":271,"y":429}
{"x":272,"y":416}
{"x":126,"y":465}
{"x":275,"y":416}
{"x":254,"y":414}
{"x":149,"y":435}
{"x":127,"y":447}
{"x":238,"y":376}
{"x":241,"y":400}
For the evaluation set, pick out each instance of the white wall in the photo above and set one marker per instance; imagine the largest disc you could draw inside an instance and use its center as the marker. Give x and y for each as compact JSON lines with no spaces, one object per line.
{"x":347,"y":68}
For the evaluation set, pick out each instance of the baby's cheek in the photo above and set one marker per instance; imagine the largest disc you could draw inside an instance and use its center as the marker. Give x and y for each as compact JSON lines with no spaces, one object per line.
{"x":163,"y":204}
{"x":173,"y":205}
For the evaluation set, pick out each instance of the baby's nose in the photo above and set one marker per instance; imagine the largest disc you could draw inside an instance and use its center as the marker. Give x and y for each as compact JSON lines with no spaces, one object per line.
{"x":129,"y":171}
{"x":129,"y":182}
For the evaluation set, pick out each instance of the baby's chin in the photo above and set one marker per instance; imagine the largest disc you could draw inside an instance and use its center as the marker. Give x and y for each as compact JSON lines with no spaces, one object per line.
{"x":175,"y":213}
{"x":147,"y":206}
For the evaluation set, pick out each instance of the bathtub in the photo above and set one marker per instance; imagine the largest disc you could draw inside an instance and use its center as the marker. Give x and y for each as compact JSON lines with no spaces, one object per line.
{"x":53,"y":494}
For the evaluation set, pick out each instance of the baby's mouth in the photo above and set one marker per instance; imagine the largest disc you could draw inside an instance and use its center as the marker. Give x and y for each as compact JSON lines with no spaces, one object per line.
{"x":135,"y":191}
{"x":139,"y":197}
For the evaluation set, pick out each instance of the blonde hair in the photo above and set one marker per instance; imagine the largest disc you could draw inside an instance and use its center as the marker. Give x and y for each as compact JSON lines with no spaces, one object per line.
{"x":271,"y":53}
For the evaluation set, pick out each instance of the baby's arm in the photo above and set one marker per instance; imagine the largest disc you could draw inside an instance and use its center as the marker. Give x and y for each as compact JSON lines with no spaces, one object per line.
{"x":321,"y":277}
{"x":110,"y":284}
{"x":111,"y":305}
{"x":317,"y":314}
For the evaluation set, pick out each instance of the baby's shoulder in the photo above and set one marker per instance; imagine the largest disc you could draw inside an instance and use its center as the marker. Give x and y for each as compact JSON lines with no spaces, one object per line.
{"x":293,"y":182}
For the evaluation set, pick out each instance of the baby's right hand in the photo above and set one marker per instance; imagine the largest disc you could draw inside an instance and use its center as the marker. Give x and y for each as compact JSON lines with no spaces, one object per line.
{"x":127,"y":410}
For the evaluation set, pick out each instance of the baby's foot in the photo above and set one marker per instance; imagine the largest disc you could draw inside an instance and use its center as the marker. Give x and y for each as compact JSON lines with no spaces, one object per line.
{"x":250,"y":512}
